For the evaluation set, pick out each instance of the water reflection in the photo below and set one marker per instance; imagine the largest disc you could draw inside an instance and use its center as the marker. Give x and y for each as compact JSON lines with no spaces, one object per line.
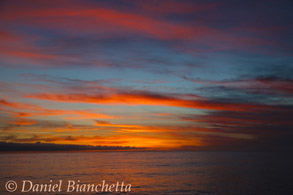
{"x":156,"y":172}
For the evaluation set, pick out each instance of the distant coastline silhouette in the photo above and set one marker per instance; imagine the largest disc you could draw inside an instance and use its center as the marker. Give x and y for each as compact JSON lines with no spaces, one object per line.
{"x":11,"y":146}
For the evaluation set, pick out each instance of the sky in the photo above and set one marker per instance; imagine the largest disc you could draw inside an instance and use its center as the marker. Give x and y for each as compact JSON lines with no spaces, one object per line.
{"x":161,"y":74}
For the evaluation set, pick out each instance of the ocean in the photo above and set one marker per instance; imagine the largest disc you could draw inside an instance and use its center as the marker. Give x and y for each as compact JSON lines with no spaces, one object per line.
{"x":146,"y":173}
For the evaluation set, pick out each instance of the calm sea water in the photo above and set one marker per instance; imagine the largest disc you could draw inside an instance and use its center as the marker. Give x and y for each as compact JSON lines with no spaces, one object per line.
{"x":175,"y":173}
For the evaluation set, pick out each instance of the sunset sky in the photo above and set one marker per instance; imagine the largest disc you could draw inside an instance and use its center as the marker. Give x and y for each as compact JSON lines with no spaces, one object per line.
{"x":157,"y":74}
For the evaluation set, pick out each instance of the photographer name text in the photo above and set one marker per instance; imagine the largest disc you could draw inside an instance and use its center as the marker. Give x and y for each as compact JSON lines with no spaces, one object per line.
{"x":70,"y":186}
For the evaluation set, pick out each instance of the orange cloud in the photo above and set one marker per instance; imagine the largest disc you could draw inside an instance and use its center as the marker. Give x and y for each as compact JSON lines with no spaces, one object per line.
{"x":133,"y":128}
{"x":24,"y":122}
{"x":34,"y":110}
{"x":17,"y":105}
{"x":147,"y":99}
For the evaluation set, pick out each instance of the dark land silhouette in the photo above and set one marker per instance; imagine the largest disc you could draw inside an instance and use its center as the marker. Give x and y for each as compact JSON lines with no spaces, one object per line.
{"x":11,"y":146}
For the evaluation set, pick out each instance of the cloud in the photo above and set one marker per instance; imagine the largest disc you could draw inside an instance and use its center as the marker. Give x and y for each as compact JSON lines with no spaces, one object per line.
{"x":145,"y":98}
{"x":279,"y":116}
{"x":88,"y":18}
{"x":270,"y":126}
{"x":97,"y":18}
{"x":17,"y":105}
{"x":258,"y":85}
{"x":96,"y":92}
{"x":135,"y":128}
{"x":30,"y":110}
{"x":15,"y":44}
{"x":174,"y":7}
{"x":24,"y":122}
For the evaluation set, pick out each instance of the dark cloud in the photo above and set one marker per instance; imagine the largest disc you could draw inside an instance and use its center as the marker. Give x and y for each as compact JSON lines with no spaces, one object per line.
{"x":270,"y":128}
